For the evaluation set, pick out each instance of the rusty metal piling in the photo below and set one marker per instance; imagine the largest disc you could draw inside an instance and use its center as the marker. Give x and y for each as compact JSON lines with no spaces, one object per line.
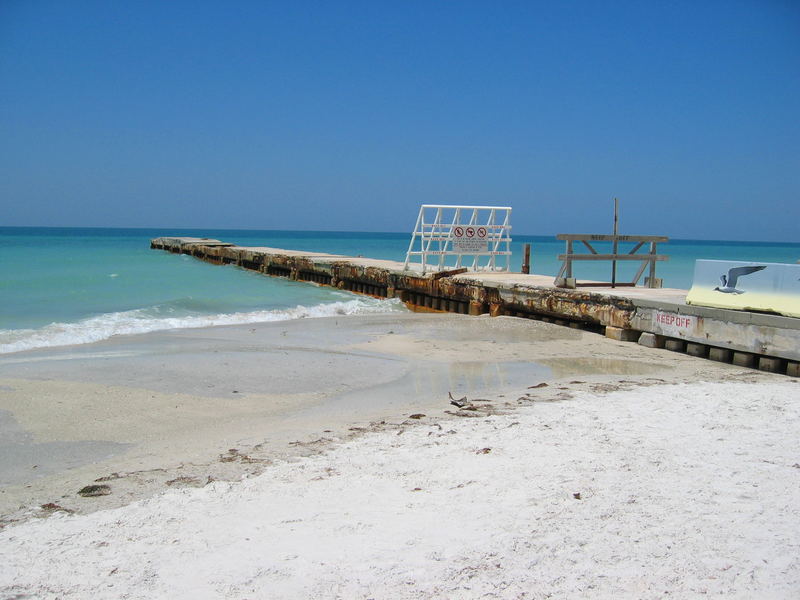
{"x":657,"y":318}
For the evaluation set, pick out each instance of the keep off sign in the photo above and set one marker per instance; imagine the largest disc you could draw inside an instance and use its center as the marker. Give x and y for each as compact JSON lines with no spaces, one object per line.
{"x":673,"y":324}
{"x":470,"y":240}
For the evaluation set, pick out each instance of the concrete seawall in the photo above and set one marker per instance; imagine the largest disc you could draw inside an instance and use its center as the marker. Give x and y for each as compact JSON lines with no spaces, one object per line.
{"x":653,"y":317}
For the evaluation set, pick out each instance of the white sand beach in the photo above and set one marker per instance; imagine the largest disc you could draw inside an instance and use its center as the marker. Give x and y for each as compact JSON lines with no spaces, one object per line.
{"x":282,"y":461}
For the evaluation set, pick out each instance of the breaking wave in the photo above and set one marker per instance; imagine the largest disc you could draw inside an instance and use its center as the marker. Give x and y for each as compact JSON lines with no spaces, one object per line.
{"x":144,"y":320}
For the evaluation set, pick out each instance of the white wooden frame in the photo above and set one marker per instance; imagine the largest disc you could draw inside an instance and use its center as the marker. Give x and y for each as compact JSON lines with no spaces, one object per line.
{"x":434,"y":234}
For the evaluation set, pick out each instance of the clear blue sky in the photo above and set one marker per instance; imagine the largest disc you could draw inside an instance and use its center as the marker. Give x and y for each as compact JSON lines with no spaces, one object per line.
{"x":348,"y":115}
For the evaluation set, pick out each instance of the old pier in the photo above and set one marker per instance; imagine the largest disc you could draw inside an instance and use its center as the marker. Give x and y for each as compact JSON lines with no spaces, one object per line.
{"x":652,"y":317}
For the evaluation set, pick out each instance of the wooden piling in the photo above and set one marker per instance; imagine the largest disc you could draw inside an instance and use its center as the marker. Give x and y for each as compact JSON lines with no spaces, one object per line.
{"x":526,"y":259}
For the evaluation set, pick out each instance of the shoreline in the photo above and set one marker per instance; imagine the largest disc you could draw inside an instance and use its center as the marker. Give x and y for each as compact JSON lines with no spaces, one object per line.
{"x":181,"y":408}
{"x":579,"y":464}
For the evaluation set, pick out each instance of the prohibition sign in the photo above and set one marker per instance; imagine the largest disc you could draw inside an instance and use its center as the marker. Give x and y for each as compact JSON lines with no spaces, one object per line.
{"x":481,"y":232}
{"x":458,"y":232}
{"x":470,"y":232}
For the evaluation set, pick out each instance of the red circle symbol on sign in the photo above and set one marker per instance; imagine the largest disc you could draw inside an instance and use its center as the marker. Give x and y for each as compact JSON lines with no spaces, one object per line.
{"x":458,"y":232}
{"x":470,"y":232}
{"x":481,"y":232}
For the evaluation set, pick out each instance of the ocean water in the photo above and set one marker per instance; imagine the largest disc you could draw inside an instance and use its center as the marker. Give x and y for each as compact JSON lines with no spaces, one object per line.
{"x":61,"y":286}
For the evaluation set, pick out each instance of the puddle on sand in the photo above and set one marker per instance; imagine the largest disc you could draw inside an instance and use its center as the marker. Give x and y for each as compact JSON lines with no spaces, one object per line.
{"x":474,"y":377}
{"x":432,"y":381}
{"x":469,"y":378}
{"x":500,"y":330}
{"x":22,"y":460}
{"x":428,"y":383}
{"x":566,"y":367}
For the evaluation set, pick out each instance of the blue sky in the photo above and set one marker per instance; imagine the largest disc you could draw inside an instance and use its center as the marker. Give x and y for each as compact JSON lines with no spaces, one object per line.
{"x":348,"y":115}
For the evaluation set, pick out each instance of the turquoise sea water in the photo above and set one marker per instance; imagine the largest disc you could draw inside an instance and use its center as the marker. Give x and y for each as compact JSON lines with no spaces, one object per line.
{"x":62,"y":286}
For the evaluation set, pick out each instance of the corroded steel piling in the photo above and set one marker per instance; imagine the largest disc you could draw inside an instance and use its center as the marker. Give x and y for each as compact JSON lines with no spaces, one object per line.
{"x":623,"y":314}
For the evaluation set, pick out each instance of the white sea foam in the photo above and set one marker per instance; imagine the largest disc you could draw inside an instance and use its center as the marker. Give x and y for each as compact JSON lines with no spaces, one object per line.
{"x":130,"y":322}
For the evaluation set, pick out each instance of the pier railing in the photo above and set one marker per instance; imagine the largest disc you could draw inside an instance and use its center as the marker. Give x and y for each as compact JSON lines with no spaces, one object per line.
{"x":566,"y":279}
{"x":475,"y":235}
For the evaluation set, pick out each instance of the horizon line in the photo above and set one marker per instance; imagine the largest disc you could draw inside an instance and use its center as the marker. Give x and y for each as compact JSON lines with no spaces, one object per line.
{"x":194,"y":228}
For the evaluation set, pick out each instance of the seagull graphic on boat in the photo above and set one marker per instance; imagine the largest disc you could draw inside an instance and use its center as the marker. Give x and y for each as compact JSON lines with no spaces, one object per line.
{"x":730,"y":280}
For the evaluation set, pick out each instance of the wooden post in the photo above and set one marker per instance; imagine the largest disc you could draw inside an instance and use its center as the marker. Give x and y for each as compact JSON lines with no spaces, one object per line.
{"x":652,"y":265}
{"x":569,"y":259}
{"x":526,"y":259}
{"x":615,"y":244}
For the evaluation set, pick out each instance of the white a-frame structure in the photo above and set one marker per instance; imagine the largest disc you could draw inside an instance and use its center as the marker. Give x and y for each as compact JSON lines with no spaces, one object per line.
{"x":453,"y":237}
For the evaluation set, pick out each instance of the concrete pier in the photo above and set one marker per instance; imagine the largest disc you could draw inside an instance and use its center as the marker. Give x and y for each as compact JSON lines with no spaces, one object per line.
{"x":772,"y":342}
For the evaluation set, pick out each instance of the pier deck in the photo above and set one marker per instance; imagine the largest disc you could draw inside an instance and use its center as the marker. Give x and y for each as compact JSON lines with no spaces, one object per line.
{"x":653,"y":317}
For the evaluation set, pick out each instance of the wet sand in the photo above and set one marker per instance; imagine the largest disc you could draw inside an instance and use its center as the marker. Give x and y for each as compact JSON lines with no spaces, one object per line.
{"x":142,"y":414}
